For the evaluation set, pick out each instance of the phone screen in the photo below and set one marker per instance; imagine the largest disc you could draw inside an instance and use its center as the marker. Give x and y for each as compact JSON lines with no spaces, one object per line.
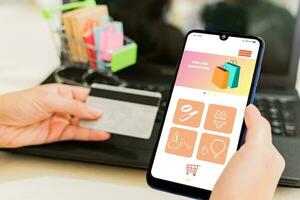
{"x":204,"y":119}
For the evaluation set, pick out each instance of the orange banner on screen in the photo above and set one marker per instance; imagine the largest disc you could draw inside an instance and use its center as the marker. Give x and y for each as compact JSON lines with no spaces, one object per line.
{"x":245,"y":53}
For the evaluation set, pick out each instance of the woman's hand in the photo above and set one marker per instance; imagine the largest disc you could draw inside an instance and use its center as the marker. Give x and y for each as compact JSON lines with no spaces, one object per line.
{"x":254,"y":171}
{"x":46,"y":114}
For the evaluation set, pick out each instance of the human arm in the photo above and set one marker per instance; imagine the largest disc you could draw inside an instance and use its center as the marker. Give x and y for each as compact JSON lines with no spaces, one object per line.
{"x":46,"y":114}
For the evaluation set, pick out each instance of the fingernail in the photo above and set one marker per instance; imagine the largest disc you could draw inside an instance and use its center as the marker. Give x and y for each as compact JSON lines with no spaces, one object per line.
{"x":94,"y":113}
{"x":254,"y":109}
{"x":103,"y":135}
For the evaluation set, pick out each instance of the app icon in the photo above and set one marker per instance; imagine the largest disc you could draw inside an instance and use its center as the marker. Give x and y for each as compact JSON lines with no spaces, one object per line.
{"x":181,"y":142}
{"x":245,"y":53}
{"x":213,"y":148}
{"x":227,"y":76}
{"x":192,"y":169}
{"x":220,"y":118}
{"x":188,"y":113}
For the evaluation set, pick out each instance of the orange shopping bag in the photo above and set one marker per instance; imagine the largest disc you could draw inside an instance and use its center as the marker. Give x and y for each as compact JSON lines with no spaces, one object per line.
{"x":220,"y":77}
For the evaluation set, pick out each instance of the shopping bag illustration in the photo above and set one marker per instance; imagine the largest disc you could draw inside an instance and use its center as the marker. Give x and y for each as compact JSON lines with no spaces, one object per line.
{"x":234,"y":74}
{"x":220,"y":77}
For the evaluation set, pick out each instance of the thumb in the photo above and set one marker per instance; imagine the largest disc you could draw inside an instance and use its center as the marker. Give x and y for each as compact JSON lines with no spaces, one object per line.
{"x":258,"y":128}
{"x":59,"y":104}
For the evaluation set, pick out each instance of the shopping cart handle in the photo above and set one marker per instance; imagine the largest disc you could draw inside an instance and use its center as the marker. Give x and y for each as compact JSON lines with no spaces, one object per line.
{"x":49,"y":13}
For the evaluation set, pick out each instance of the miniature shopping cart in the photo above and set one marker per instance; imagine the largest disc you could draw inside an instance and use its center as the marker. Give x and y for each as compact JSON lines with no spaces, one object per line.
{"x":191,"y":169}
{"x":121,"y":58}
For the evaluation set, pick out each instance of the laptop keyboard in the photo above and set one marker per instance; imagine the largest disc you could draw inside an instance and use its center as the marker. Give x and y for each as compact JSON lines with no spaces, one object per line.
{"x":280,"y":115}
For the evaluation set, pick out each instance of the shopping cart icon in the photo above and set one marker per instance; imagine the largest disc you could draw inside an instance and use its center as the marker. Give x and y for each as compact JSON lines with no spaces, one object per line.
{"x":191,"y":169}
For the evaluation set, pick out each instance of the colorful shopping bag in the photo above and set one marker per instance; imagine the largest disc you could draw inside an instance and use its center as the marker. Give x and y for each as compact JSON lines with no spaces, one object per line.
{"x":111,"y":39}
{"x":220,"y":77}
{"x":234,"y":74}
{"x":88,"y":39}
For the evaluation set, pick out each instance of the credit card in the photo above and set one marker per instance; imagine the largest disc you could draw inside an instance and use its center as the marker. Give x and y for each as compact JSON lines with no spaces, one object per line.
{"x":125,"y":111}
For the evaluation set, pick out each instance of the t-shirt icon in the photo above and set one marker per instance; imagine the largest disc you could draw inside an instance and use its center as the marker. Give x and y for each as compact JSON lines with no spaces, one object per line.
{"x":188,"y":113}
{"x":220,"y":118}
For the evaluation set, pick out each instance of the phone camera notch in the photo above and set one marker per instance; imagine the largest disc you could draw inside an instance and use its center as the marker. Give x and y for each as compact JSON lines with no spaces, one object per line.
{"x":223,"y":37}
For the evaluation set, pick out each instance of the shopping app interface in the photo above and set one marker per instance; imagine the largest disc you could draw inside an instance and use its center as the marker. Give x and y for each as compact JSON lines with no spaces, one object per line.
{"x":205,"y":115}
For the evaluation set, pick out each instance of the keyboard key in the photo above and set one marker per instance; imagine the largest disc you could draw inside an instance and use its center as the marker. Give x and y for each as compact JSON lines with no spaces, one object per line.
{"x":151,"y":88}
{"x":277,"y":131}
{"x":291,"y":133}
{"x":274,"y":116}
{"x":273,"y":110}
{"x":290,"y":127}
{"x":276,"y":123}
{"x":162,"y":89}
{"x":280,"y":115}
{"x":138,"y":86}
{"x":164,"y":104}
{"x":287,"y":115}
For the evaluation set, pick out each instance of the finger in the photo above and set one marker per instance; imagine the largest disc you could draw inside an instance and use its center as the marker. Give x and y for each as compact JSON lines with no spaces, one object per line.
{"x":258,"y":128}
{"x":59,"y":104}
{"x":78,"y":93}
{"x":83,"y":134}
{"x":252,"y":109}
{"x":75,"y":121}
{"x":68,"y":95}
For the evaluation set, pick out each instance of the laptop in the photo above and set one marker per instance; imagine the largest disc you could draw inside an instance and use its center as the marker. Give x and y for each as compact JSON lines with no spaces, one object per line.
{"x":159,"y":32}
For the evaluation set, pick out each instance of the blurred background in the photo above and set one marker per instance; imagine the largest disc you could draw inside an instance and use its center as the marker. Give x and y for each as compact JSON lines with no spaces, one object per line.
{"x":157,"y":26}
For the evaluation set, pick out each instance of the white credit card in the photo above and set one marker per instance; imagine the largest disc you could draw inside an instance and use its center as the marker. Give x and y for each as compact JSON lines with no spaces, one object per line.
{"x":125,"y":111}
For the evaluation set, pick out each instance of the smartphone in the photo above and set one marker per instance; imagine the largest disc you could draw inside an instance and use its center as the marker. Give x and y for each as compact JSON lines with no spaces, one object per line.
{"x":203,"y":126}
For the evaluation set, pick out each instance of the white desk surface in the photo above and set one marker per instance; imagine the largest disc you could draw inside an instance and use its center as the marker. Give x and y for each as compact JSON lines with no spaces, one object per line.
{"x":27,"y":56}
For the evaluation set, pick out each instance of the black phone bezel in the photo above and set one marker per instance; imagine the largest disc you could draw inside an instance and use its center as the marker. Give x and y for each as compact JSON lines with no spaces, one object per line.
{"x":186,"y":190}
